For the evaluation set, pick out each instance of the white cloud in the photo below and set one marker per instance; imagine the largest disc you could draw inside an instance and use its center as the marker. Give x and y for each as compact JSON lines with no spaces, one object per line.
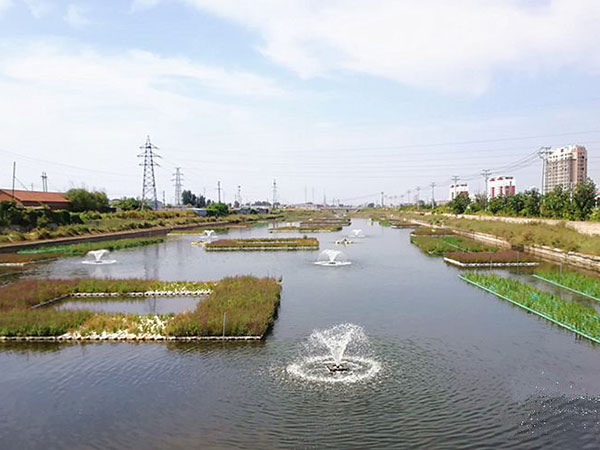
{"x":76,"y":16}
{"x":4,"y":5}
{"x":92,"y":109}
{"x":39,"y":8}
{"x":446,"y":45}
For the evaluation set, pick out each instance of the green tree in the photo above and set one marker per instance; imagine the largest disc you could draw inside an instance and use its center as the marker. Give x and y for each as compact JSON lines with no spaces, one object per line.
{"x":584,"y":199}
{"x":129,"y":204}
{"x":556,"y":203}
{"x":532,"y":201}
{"x":480,"y":203}
{"x":84,"y":200}
{"x":217,"y":209}
{"x":460,"y":203}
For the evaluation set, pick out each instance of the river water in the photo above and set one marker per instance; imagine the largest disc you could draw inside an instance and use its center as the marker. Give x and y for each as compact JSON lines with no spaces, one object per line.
{"x":459,"y":367}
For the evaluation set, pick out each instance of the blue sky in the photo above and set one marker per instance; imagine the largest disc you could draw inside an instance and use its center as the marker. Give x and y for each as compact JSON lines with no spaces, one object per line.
{"x":346,"y":98}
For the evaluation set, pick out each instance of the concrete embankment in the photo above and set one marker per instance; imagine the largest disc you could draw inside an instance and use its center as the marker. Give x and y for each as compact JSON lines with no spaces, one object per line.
{"x":148,"y":232}
{"x":582,"y":260}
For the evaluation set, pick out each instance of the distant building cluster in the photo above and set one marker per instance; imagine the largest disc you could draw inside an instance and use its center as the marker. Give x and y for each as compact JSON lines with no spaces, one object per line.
{"x":564,"y":166}
{"x":501,"y":186}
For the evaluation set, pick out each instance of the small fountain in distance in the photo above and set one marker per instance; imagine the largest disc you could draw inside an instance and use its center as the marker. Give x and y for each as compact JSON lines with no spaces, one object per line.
{"x":332,"y":258}
{"x":358,"y":233}
{"x":336,"y":355}
{"x":98,"y":254}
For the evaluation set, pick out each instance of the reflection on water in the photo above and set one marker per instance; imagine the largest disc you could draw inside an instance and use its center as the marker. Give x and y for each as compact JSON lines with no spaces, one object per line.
{"x":459,"y":368}
{"x":129,"y":305}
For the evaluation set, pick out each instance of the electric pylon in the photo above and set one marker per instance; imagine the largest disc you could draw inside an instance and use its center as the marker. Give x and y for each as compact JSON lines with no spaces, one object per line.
{"x":149,"y":182}
{"x":178,"y":180}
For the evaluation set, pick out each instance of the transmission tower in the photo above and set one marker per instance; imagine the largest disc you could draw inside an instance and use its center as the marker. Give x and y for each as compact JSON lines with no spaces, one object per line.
{"x":433,"y":185}
{"x":274,"y":192}
{"x":44,"y":182}
{"x":149,"y":183}
{"x":219,"y":190}
{"x":408,"y":196}
{"x":382,"y":204}
{"x":178,"y":180}
{"x":418,"y":197}
{"x":486,"y":175}
{"x":543,"y":153}
{"x":238,"y":196}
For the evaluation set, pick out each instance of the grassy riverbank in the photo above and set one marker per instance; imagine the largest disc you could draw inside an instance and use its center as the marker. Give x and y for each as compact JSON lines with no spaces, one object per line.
{"x":581,"y":318}
{"x":518,"y":234}
{"x":80,"y":249}
{"x":263,"y":244}
{"x":498,"y":257}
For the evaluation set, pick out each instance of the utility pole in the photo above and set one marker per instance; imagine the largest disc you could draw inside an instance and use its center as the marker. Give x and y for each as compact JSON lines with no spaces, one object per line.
{"x":485,"y":173}
{"x":418,"y":194}
{"x":13,"y":180}
{"x":239,"y":195}
{"x":543,"y":153}
{"x":219,"y":190}
{"x":164,"y":199}
{"x":432,"y":194}
{"x":401,"y":199}
{"x":274,"y":192}
{"x":455,"y":179}
{"x":382,"y":204}
{"x":408,"y":196}
{"x":178,"y":185}
{"x":149,"y":182}
{"x":44,"y":182}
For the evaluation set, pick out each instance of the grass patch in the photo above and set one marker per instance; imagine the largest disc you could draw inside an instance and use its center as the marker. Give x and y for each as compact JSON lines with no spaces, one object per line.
{"x":440,"y":245}
{"x":578,"y":282}
{"x":426,"y":231}
{"x":580,"y":318}
{"x":264,"y":244}
{"x":40,"y":322}
{"x":29,"y":292}
{"x":249,"y":304}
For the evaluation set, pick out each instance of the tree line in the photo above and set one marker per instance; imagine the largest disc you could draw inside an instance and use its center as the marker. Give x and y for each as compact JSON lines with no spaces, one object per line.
{"x":579,"y":203}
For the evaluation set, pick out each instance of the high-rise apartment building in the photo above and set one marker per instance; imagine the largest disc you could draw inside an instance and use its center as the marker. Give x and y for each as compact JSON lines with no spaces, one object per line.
{"x":564,"y":166}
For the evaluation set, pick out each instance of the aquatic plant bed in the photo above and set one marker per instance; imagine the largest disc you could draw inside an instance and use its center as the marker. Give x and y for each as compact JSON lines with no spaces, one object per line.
{"x":505,"y":258}
{"x":440,"y":245}
{"x":580,"y":319}
{"x":236,"y":308}
{"x":24,"y":257}
{"x":262,"y":244}
{"x":575,"y":282}
{"x":307,"y":229}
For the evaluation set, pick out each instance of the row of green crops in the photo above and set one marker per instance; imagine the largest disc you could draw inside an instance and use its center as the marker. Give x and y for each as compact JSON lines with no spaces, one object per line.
{"x":440,"y":245}
{"x":578,"y":282}
{"x":580,"y":318}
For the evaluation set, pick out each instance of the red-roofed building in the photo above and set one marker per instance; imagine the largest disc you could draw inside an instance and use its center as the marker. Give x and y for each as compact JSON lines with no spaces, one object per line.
{"x":35,"y":199}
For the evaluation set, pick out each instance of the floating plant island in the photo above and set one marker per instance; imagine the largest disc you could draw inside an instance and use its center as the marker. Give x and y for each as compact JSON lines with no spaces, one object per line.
{"x":441,"y":245}
{"x":235,"y":308}
{"x":261,"y":244}
{"x":579,"y":318}
{"x":312,"y":228}
{"x":505,"y":258}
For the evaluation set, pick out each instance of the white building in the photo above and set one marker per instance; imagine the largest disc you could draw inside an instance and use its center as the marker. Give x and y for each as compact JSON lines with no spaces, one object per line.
{"x":499,"y":186}
{"x":458,"y":188}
